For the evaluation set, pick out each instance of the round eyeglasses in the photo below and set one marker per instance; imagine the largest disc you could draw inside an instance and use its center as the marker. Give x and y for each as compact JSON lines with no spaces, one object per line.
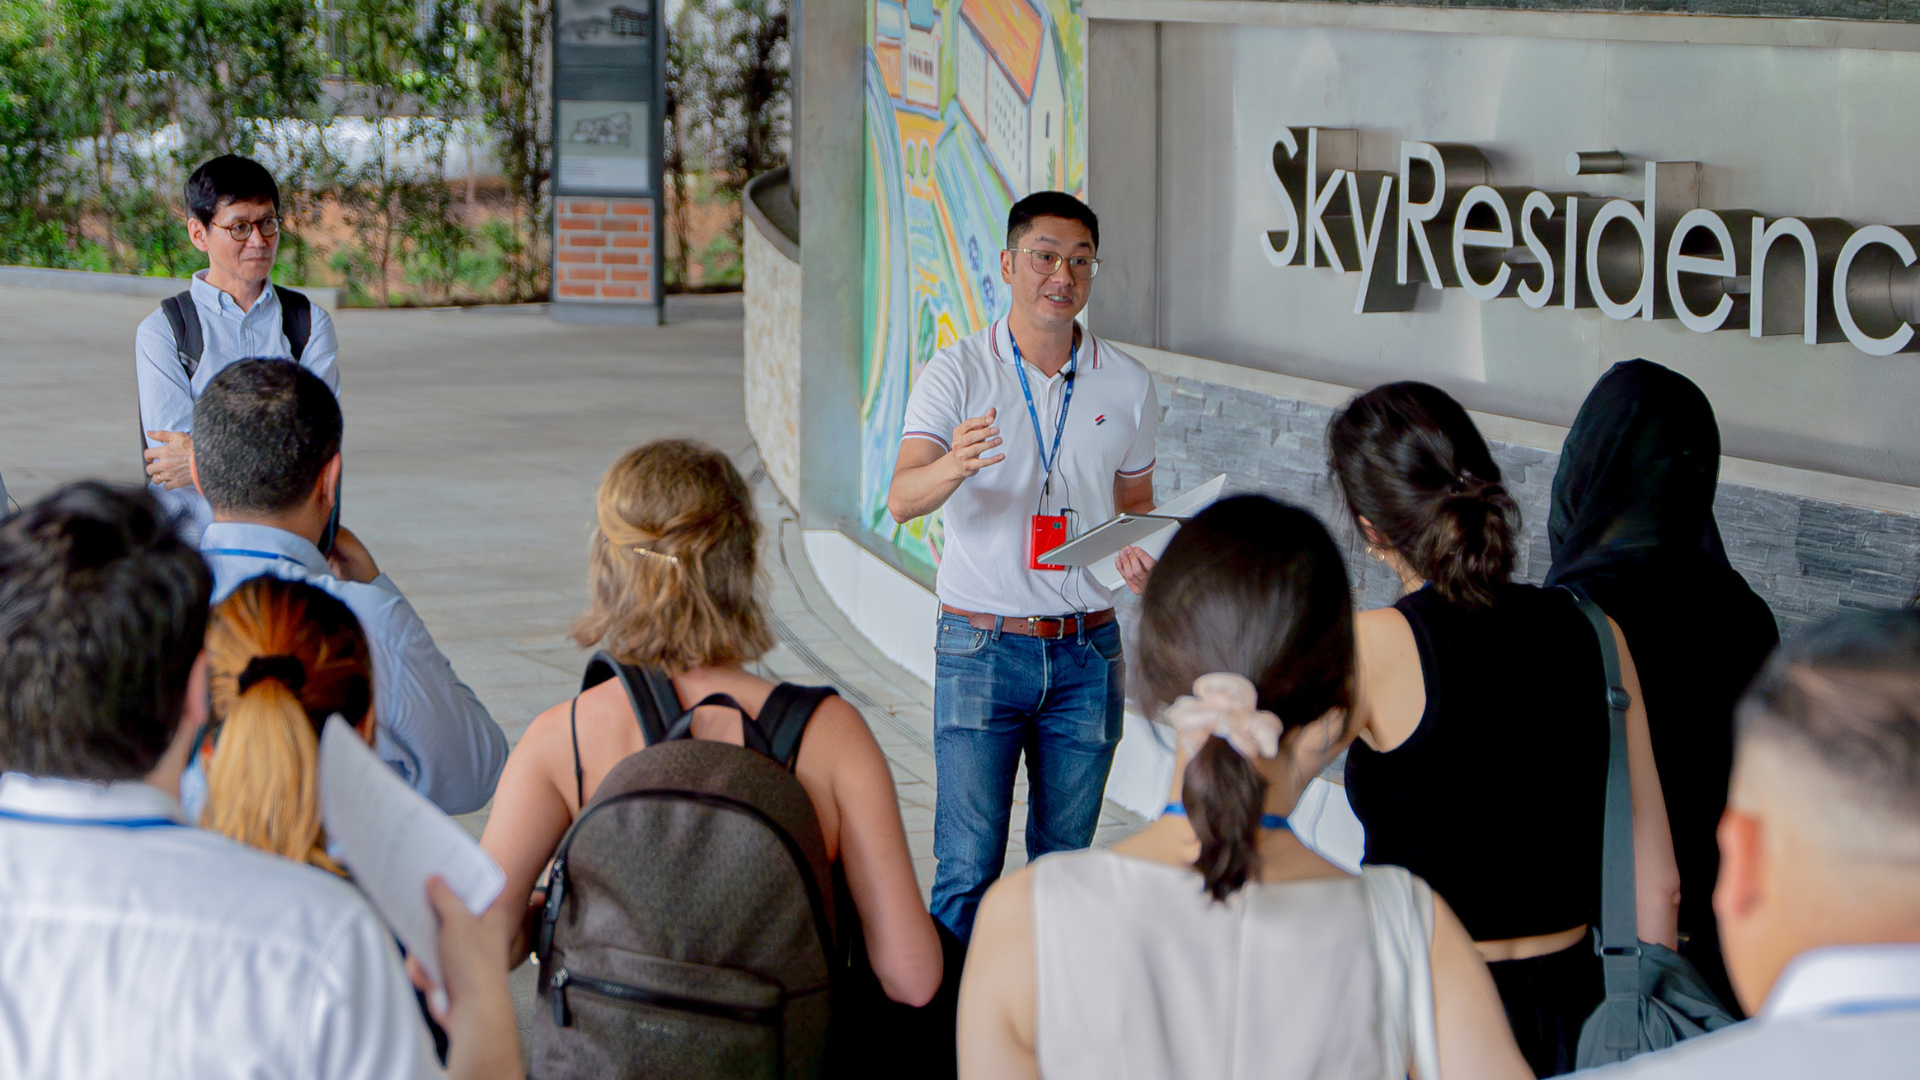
{"x":241,"y":231}
{"x":1047,"y":263}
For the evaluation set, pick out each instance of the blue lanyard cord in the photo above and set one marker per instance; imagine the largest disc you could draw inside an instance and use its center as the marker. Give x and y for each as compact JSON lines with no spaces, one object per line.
{"x":1047,"y":459}
{"x":1267,"y":821}
{"x":113,"y":823}
{"x":246,"y":553}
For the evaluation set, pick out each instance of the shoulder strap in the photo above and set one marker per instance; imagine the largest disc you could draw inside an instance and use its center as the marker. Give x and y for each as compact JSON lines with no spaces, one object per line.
{"x":579,"y":774}
{"x":296,"y":318}
{"x":184,"y":318}
{"x":649,"y":692}
{"x":776,"y":731}
{"x":1400,"y":909}
{"x":784,"y":718}
{"x":1619,"y":926}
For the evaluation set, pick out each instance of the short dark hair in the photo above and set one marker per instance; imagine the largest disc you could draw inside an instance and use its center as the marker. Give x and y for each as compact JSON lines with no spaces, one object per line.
{"x":228,"y":178}
{"x":1408,"y":459}
{"x":1050,"y":204}
{"x":263,"y":432}
{"x":1254,"y":587}
{"x":103,"y":609}
{"x":1845,"y":693}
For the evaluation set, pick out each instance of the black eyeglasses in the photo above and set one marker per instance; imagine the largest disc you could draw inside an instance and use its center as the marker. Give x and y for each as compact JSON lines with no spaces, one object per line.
{"x":241,"y":231}
{"x":1047,"y":263}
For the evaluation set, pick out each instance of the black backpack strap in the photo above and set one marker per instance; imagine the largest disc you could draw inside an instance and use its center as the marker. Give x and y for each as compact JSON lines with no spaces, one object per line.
{"x":784,"y":718}
{"x":184,"y":318}
{"x":579,"y":774}
{"x":751,"y":734}
{"x":649,"y":691}
{"x":296,"y":318}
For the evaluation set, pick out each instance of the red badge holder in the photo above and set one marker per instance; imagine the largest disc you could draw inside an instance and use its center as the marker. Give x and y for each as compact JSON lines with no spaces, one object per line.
{"x":1049,"y":532}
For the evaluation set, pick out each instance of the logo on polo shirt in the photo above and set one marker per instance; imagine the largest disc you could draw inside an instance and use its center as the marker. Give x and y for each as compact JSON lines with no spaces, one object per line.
{"x":1101,"y":419}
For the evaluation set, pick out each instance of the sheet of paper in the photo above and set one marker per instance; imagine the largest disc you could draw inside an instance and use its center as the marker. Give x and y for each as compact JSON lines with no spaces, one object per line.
{"x":1186,"y":504}
{"x":393,"y":839}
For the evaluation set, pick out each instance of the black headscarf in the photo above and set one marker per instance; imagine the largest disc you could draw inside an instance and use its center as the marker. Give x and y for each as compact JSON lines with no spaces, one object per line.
{"x":1632,"y":526}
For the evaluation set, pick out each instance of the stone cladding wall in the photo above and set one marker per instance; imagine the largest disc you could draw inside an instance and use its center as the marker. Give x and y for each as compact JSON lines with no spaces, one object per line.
{"x":1805,"y":557}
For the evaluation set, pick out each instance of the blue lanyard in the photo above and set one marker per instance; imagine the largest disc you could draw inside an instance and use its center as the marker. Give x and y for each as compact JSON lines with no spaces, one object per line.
{"x":1047,"y":460}
{"x":1267,"y":821}
{"x":250,"y":554}
{"x":113,"y":823}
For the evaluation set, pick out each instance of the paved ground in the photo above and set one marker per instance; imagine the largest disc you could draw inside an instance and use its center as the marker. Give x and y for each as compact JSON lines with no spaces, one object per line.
{"x":475,"y":440}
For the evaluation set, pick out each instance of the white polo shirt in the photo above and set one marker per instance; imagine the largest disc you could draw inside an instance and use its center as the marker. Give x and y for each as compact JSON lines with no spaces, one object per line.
{"x":1110,"y":429}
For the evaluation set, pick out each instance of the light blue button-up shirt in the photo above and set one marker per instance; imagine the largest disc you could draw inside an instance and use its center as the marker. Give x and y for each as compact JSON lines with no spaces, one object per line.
{"x":431,"y":727}
{"x":228,"y":334}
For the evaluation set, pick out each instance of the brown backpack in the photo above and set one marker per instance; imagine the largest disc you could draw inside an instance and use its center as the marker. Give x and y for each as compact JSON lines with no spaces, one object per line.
{"x":689,"y":924}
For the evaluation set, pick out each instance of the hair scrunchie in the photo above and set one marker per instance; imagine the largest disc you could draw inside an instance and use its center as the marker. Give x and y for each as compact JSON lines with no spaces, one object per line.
{"x":1227,"y":705}
{"x":288,"y":669}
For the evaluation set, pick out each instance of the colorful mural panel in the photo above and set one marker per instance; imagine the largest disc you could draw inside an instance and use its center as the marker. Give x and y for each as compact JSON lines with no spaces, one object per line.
{"x":971,"y":104}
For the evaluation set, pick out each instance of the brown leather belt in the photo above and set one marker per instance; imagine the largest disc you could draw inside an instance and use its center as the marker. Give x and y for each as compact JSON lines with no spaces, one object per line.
{"x":1054,"y":627}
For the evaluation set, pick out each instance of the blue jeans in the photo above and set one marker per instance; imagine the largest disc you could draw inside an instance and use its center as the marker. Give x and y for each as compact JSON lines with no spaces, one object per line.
{"x":995,"y":697}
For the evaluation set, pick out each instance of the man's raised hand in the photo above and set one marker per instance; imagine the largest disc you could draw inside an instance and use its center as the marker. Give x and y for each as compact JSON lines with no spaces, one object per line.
{"x":972,"y":439}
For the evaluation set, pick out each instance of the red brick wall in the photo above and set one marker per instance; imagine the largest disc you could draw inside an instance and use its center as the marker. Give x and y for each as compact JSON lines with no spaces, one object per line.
{"x":603,"y":250}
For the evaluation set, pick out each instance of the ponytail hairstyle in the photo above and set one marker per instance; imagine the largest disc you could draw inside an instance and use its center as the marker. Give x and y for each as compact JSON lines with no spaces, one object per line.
{"x":1409,"y":460}
{"x":673,"y":561}
{"x":1252,"y":587}
{"x":282,"y":657}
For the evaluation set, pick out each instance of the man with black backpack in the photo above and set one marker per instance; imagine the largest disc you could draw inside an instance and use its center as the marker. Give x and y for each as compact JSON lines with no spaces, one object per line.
{"x":232,"y":311}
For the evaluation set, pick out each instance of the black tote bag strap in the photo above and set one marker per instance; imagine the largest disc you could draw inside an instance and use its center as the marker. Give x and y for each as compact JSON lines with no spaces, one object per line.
{"x":1619,"y":922}
{"x":649,"y":691}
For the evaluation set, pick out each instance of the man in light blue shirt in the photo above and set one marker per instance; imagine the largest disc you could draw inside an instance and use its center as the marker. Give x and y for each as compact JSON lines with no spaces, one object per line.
{"x":233,"y":214}
{"x":267,"y":458}
{"x":1819,"y":890}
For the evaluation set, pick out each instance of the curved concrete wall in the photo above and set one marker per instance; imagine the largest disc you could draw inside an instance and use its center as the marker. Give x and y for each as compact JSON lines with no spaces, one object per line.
{"x":773,"y":354}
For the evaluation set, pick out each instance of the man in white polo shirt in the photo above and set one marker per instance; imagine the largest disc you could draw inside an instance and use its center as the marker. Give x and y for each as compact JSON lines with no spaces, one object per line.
{"x":1028,"y":654}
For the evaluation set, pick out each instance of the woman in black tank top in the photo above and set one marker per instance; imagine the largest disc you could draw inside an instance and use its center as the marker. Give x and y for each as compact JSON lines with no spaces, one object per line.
{"x":1482,"y":758}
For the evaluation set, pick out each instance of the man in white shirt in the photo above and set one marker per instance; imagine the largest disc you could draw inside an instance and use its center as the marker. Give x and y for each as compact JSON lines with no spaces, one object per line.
{"x":267,"y":458}
{"x":1819,"y":890}
{"x":1028,"y":655}
{"x":130,"y":943}
{"x":233,"y":214}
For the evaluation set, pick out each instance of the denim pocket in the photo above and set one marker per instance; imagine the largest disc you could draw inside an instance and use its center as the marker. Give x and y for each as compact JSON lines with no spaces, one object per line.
{"x":957,"y":638}
{"x":1106,"y":641}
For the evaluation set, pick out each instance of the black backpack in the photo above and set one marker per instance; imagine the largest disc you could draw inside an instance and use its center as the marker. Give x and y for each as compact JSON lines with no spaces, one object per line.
{"x":689,"y":923}
{"x":189,"y":342}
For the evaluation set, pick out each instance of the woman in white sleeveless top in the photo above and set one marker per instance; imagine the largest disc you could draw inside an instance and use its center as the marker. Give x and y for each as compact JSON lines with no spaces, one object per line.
{"x":1213,"y":945}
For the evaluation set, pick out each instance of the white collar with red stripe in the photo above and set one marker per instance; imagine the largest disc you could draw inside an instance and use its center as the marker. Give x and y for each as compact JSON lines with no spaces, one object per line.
{"x":1003,"y":344}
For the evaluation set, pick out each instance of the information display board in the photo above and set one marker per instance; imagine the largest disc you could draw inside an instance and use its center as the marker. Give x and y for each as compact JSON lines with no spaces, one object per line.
{"x":608,"y":67}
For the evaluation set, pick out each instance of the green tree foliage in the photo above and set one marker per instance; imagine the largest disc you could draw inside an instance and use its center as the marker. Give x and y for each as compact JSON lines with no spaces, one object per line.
{"x":106,"y":105}
{"x":729,"y":111}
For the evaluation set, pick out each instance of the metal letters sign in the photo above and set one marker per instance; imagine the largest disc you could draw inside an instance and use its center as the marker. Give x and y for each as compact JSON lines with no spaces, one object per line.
{"x":1441,"y":221}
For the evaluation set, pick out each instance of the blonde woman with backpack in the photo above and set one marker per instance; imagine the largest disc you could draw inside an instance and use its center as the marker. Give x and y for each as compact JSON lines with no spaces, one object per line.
{"x":672,"y":576}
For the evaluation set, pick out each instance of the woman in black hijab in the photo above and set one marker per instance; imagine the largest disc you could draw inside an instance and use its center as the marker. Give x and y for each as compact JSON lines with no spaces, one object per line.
{"x":1632,"y":527}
